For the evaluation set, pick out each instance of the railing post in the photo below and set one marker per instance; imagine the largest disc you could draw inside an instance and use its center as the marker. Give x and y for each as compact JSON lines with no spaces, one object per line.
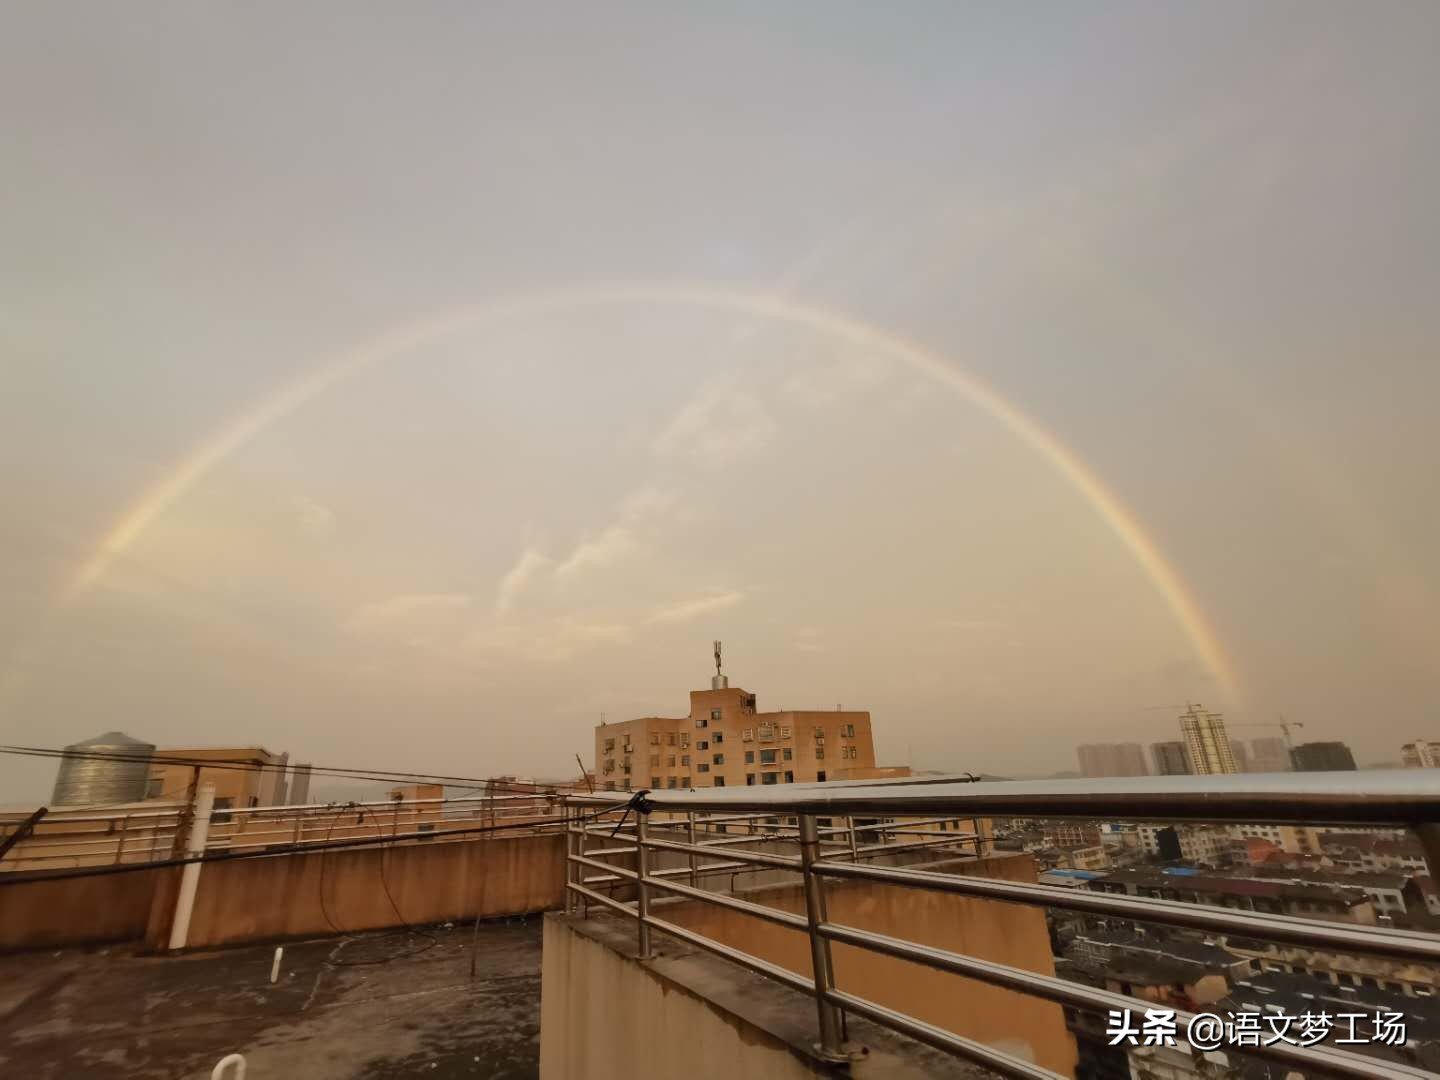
{"x":642,"y":885}
{"x":570,"y":867}
{"x":854,"y":843}
{"x":190,"y":874}
{"x":694,"y":859}
{"x":830,"y":1021}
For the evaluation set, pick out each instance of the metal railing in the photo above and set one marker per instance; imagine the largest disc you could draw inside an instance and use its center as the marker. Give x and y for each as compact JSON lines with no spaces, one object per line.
{"x":1340,"y":799}
{"x":151,"y":831}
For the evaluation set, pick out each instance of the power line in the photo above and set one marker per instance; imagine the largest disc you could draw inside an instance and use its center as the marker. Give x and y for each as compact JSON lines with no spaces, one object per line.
{"x":243,"y":765}
{"x":278,"y":850}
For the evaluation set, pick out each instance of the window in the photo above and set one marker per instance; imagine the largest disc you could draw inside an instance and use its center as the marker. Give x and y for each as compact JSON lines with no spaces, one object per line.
{"x":720,"y":782}
{"x":684,"y":781}
{"x":819,"y":734}
{"x":702,"y":745}
{"x":850,"y":731}
{"x":718,"y":738}
{"x":820,"y":753}
{"x":670,"y":761}
{"x":654,"y":738}
{"x":788,"y":753}
{"x":820,"y":776}
{"x":747,"y":735}
{"x":627,"y":785}
{"x":702,"y":767}
{"x":654,"y":760}
{"x":219,"y":816}
{"x":750,"y":779}
{"x":767,"y":757}
{"x":669,"y":781}
{"x":784,"y":733}
{"x":670,"y":738}
{"x":789,"y":777}
{"x":609,"y":746}
{"x":684,"y":759}
{"x":749,"y":757}
{"x":609,"y":766}
{"x":702,"y":722}
{"x":767,"y":731}
{"x":684,"y":739}
{"x":719,"y":759}
{"x":769,"y":778}
{"x":629,"y":748}
{"x":654,"y":781}
{"x":714,"y":714}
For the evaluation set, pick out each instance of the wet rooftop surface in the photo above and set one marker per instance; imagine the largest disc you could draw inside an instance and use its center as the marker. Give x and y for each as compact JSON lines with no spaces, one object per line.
{"x":361,"y":1007}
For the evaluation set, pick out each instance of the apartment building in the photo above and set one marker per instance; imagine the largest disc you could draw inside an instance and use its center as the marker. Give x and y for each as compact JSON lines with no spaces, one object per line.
{"x":725,"y":741}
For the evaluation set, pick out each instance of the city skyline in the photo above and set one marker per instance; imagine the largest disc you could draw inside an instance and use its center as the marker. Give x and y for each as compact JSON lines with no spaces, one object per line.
{"x":438,"y":422}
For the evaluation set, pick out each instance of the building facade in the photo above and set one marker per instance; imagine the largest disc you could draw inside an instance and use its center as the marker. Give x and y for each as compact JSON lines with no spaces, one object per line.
{"x":1323,"y":757}
{"x":1420,"y":754}
{"x":1206,"y":742}
{"x":1269,"y":756}
{"x":1112,"y":759}
{"x":1170,"y":758}
{"x":726,"y":741}
{"x":242,"y":776}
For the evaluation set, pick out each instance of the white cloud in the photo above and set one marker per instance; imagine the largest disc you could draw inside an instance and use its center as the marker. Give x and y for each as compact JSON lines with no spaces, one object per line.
{"x":530,"y":564}
{"x":554,"y":642}
{"x":720,"y":424}
{"x":629,"y":533}
{"x":410,"y":613}
{"x":683,"y":610}
{"x":829,"y":381}
{"x":313,"y":519}
{"x":610,"y":546}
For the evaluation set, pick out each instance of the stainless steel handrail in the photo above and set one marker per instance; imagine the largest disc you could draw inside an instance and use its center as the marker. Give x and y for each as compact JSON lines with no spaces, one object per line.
{"x":1406,"y":802}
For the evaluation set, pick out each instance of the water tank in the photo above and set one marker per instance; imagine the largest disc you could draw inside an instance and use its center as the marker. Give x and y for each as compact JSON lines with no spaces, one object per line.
{"x":87,"y":778}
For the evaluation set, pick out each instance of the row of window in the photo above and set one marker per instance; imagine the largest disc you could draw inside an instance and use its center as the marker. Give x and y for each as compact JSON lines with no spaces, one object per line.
{"x":764,"y":733}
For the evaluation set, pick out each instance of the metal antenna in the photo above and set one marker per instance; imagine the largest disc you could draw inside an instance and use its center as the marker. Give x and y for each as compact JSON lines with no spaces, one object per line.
{"x":717,"y":658}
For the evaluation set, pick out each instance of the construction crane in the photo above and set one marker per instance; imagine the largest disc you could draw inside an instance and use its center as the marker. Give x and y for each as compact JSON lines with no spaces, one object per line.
{"x":1281,"y":723}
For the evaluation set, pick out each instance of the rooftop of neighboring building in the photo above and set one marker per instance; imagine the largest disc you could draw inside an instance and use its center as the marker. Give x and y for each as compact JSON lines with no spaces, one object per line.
{"x":1211,"y":882}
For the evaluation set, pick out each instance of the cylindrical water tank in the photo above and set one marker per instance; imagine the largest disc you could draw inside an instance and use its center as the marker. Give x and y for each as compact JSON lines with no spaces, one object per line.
{"x":110,"y":768}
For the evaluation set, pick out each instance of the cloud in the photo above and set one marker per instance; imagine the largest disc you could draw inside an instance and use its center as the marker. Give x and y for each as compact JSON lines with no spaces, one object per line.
{"x":410,"y":613}
{"x":683,"y":610}
{"x":807,"y":639}
{"x":313,"y":519}
{"x":717,"y":426}
{"x":832,"y":379}
{"x":530,"y":564}
{"x":628,"y":534}
{"x":554,"y":642}
{"x":610,"y":546}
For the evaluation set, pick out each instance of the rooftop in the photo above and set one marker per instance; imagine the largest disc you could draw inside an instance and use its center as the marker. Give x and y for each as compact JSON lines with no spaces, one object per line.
{"x":362,"y":1007}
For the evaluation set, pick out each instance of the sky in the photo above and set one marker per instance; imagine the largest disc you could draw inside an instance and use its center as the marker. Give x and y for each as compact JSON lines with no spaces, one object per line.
{"x":412,"y":387}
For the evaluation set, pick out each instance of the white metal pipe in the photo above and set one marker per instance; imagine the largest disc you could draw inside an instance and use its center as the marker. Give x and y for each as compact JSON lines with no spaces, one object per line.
{"x":223,"y":1065}
{"x":275,"y":967}
{"x":190,"y":876}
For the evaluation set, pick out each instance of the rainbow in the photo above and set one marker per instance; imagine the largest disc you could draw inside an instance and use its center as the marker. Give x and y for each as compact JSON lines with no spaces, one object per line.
{"x":1122,"y":522}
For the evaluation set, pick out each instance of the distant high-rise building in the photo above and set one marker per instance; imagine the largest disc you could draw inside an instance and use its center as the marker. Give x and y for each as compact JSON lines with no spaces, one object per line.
{"x":1242,"y":759}
{"x":1323,"y":757}
{"x":1169,"y":758}
{"x":1420,"y":754}
{"x":1206,"y":742}
{"x":1269,"y":755}
{"x":1113,"y":759}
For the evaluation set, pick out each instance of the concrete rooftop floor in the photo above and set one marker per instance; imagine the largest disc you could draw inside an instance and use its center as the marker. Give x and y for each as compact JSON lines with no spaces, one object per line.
{"x":112,"y":1013}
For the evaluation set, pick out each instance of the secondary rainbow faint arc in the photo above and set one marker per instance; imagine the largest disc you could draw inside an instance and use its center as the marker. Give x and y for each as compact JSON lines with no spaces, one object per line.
{"x":190,"y":471}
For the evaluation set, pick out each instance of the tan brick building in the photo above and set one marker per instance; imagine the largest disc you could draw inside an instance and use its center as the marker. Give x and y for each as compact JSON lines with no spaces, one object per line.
{"x":727,"y":742}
